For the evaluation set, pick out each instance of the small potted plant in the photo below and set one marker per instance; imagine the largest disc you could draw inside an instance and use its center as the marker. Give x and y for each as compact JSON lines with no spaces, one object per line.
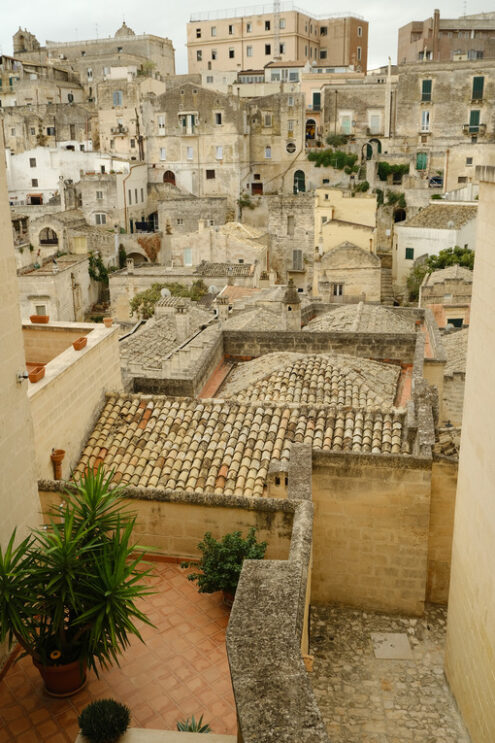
{"x":193,"y":726}
{"x":79,"y":343}
{"x":108,"y":322}
{"x":220,"y":565}
{"x":39,"y":319}
{"x":104,"y":721}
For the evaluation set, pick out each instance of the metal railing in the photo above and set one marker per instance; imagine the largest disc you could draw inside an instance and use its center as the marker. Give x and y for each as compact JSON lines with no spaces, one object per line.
{"x":211,"y":15}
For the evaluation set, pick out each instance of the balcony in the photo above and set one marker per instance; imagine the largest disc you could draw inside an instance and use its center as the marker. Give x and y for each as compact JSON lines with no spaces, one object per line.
{"x":119,"y":130}
{"x":474,"y":129}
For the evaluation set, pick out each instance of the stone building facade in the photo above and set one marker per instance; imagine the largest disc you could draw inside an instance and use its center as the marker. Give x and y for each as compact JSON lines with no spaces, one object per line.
{"x":28,"y":84}
{"x":292,"y":237}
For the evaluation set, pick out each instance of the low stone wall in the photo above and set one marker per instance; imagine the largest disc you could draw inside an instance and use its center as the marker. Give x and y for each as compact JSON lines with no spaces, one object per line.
{"x":173,"y":522}
{"x":251,"y":344}
{"x":273,"y":693}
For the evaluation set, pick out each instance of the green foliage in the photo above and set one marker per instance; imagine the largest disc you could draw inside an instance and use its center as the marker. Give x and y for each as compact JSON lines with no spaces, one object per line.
{"x":337,"y":140}
{"x":436,"y":196}
{"x":221,"y":563}
{"x":122,"y":256}
{"x":385,"y":169}
{"x":104,"y":721}
{"x":334,"y":159}
{"x":97,"y":269}
{"x":362,"y":187}
{"x":144,"y":302}
{"x":193,"y":726}
{"x":393,"y":197}
{"x":31,"y":247}
{"x":379,"y":196}
{"x":244,"y":201}
{"x":448,"y":257}
{"x":69,"y":592}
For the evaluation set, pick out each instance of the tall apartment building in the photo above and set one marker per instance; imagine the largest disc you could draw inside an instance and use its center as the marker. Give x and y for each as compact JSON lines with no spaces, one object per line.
{"x":447,"y":39}
{"x":247,"y":39}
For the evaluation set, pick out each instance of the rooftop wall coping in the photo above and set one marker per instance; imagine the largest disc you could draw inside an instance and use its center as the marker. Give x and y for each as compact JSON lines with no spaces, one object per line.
{"x":141,"y":735}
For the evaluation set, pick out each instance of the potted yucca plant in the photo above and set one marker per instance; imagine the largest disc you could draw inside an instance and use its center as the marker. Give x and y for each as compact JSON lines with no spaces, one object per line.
{"x":68,"y":591}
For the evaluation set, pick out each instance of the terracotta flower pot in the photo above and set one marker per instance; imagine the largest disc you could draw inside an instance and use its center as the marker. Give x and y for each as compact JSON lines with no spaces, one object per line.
{"x":57,"y":456}
{"x":36,"y":374}
{"x":39,"y":318}
{"x":64,"y":680}
{"x":108,"y":321}
{"x":79,"y":343}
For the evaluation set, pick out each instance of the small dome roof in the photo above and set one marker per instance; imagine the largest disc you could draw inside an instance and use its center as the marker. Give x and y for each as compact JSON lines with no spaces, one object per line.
{"x":124,"y":30}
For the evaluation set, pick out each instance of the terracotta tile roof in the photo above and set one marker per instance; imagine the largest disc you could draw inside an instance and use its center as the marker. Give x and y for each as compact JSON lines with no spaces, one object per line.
{"x":315,"y":380}
{"x":224,"y":447}
{"x":442,"y":217}
{"x":361,"y":318}
{"x":455,"y":345}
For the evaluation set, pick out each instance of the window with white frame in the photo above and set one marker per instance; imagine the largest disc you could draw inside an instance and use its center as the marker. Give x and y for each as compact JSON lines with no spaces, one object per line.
{"x":249,"y":51}
{"x":218,"y":118}
{"x":100,"y":218}
{"x":219,"y":152}
{"x":161,"y":124}
{"x":90,"y":73}
{"x":117,"y":97}
{"x":360,"y":31}
{"x":99,"y":195}
{"x":281,"y":23}
{"x":189,"y":153}
{"x":425,"y":121}
{"x":268,"y":152}
{"x":213,"y":31}
{"x":249,"y":28}
{"x":163,"y":153}
{"x":337,"y":290}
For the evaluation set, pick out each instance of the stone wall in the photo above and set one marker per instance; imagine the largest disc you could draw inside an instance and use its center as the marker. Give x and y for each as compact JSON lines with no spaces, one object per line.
{"x":442,"y":507}
{"x":453,"y":397}
{"x":291,"y":226}
{"x":182,"y":214}
{"x":266,"y":632}
{"x":250,"y":344}
{"x":470,"y":650}
{"x":370,"y":541}
{"x":65,"y":403}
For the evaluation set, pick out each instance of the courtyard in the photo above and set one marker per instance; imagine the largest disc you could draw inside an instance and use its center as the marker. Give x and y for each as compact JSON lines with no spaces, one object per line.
{"x":379,"y":678}
{"x":180,"y":671}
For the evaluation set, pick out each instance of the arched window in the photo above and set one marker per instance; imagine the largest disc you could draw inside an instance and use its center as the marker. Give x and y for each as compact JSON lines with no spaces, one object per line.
{"x":299,"y":181}
{"x":169,"y":177}
{"x":48,"y":237}
{"x":310,"y":129}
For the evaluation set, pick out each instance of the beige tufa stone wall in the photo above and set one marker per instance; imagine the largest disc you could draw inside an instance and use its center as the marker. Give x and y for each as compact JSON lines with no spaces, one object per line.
{"x":65,"y":403}
{"x":370,"y":539}
{"x":442,"y":507}
{"x":470,"y":650}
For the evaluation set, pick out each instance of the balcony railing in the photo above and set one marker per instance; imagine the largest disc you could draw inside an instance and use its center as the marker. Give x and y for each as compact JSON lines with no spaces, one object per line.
{"x":478,"y":129}
{"x":119,"y":129}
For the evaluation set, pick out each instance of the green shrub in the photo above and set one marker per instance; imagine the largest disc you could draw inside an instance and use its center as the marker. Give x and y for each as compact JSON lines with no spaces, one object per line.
{"x":379,"y":196}
{"x":333,"y":159}
{"x":104,"y":721}
{"x":362,"y":187}
{"x":122,"y":256}
{"x":221,"y":563}
{"x":385,"y":169}
{"x":337,"y":140}
{"x":145,"y":301}
{"x":193,"y":726}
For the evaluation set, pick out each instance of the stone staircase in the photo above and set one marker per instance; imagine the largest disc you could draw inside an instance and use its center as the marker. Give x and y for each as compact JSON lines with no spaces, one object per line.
{"x":386,"y":293}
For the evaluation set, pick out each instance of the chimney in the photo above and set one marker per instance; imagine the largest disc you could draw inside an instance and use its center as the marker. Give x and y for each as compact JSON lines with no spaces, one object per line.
{"x":223,"y":308}
{"x":324,"y":290}
{"x":182,"y":318}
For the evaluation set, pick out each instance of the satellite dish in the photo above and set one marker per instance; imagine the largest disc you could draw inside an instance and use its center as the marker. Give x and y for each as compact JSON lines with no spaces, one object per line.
{"x":165,"y":293}
{"x":212,"y":289}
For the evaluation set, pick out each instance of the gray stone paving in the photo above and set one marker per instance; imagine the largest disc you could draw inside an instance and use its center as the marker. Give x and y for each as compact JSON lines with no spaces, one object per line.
{"x":365,"y":699}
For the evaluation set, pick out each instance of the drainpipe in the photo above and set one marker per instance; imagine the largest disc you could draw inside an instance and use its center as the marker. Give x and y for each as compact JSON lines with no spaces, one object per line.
{"x":335,"y":118}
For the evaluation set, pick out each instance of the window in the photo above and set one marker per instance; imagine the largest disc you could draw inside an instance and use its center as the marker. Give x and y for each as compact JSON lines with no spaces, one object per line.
{"x":316,"y":101}
{"x":249,"y":51}
{"x":474,"y":122}
{"x":129,"y":196}
{"x":462,"y":179}
{"x":199,"y":55}
{"x":198,"y":33}
{"x":219,"y":152}
{"x":360,"y":31}
{"x":231,"y":29}
{"x":268,"y":152}
{"x":290,"y":226}
{"x":337,"y":290}
{"x":117,"y":97}
{"x":120,"y":49}
{"x":281,"y":23}
{"x":209,"y":78}
{"x":188,"y":256}
{"x":305,"y":51}
{"x":478,"y":83}
{"x":323,"y":53}
{"x":409,"y":254}
{"x":34,"y":182}
{"x":281,"y":48}
{"x":142,"y":194}
{"x":290,"y":100}
{"x":425,"y":121}
{"x":32,"y":162}
{"x":180,"y":221}
{"x":426,"y":90}
{"x":421,"y":160}
{"x":257,"y":177}
{"x":100,"y":218}
{"x":163,"y":153}
{"x":33,"y":131}
{"x":218,"y":119}
{"x":99,"y":195}
{"x":297,"y":260}
{"x":359,"y":53}
{"x":189,"y":153}
{"x":324,"y":31}
{"x":267,"y":25}
{"x":268,"y":49}
{"x":290,"y":124}
{"x":210,"y":175}
{"x":83,"y":53}
{"x":50,"y":130}
{"x":213,"y":54}
{"x":469,"y":160}
{"x":268,"y":120}
{"x":294,"y":77}
{"x":249,"y":28}
{"x":231,"y":53}
{"x":90,"y":73}
{"x":41,"y":309}
{"x":161,"y":124}
{"x":213,"y":30}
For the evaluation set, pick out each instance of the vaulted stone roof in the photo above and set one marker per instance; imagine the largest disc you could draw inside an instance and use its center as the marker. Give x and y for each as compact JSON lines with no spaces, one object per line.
{"x":206,"y":268}
{"x":224,"y":447}
{"x":451,"y":272}
{"x":442,"y":217}
{"x":361,"y":318}
{"x":258,"y":318}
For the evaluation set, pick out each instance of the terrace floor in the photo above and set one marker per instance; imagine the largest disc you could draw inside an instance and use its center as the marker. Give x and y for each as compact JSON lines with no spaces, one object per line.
{"x":379,"y":678}
{"x":181,"y":670}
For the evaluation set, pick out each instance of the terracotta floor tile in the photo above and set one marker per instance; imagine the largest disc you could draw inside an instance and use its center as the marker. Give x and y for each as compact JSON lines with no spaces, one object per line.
{"x":182,"y":671}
